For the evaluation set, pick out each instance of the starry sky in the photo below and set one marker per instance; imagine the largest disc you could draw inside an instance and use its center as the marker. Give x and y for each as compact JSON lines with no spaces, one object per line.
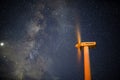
{"x":39,"y":39}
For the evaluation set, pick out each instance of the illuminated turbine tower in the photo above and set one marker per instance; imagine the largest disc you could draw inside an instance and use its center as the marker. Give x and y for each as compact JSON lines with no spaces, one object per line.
{"x":85,"y":46}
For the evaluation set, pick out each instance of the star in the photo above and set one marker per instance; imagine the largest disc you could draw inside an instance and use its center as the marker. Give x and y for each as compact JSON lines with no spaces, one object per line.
{"x":2,"y":44}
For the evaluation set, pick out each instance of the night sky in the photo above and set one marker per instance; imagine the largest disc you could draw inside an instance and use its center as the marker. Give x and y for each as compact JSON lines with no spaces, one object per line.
{"x":39,"y":39}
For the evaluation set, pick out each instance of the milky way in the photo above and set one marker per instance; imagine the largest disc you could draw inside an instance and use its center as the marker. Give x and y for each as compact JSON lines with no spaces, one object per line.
{"x":47,"y":31}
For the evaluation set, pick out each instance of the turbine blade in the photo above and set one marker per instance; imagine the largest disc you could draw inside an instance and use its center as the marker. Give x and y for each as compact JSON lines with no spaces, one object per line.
{"x":78,"y":41}
{"x":78,"y":34}
{"x":79,"y":55}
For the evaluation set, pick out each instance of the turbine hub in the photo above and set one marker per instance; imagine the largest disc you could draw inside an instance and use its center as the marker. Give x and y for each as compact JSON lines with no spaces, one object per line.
{"x":77,"y":45}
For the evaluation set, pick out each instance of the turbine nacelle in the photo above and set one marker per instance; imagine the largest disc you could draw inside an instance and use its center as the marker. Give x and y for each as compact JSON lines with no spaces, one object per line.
{"x":89,"y":44}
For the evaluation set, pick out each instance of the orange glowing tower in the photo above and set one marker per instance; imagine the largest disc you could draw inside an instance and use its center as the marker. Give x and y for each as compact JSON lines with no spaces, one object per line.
{"x":85,"y":46}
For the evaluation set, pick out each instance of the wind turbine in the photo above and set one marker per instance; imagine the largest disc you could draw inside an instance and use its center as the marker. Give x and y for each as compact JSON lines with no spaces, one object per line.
{"x":85,"y":46}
